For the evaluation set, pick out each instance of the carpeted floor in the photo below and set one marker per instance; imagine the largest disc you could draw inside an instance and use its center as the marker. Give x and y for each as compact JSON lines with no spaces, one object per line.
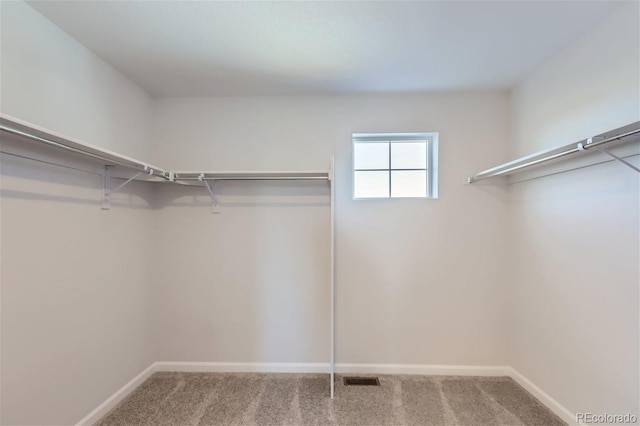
{"x":178,"y":399}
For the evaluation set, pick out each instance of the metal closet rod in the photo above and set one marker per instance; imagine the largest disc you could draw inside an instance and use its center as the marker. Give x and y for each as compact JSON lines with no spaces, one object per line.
{"x":258,"y":178}
{"x":97,"y":154}
{"x":552,"y":154}
{"x":22,"y":129}
{"x":231,"y":176}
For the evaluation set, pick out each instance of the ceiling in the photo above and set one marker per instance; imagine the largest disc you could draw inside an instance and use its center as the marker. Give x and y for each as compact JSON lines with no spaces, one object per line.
{"x":214,"y":48}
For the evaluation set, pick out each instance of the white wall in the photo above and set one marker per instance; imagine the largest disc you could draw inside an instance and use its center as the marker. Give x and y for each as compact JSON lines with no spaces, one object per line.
{"x":248,"y":285}
{"x":418,"y":281}
{"x":50,"y":79}
{"x":75,"y":292}
{"x":74,"y":284}
{"x":575,"y":317}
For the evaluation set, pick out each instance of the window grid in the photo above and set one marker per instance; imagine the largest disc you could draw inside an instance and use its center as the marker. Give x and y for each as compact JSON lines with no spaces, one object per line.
{"x":389,"y":170}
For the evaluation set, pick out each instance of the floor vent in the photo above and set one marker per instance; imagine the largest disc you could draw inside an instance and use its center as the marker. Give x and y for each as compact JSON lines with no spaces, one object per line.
{"x":361,"y":381}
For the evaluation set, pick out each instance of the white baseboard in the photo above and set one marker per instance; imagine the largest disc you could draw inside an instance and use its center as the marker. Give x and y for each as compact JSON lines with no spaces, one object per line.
{"x":242,"y":367}
{"x":260,"y":367}
{"x":114,"y":399}
{"x":544,"y":397}
{"x":423,"y":369}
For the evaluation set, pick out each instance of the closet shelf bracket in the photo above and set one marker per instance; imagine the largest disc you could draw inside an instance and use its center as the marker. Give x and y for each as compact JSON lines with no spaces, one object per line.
{"x":108,"y":192}
{"x":215,"y":205}
{"x":583,"y":147}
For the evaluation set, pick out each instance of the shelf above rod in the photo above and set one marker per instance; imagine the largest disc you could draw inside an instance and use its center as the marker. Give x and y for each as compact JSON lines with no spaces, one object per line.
{"x":44,"y":136}
{"x":34,"y":133}
{"x":519,"y":164}
{"x":318,"y":175}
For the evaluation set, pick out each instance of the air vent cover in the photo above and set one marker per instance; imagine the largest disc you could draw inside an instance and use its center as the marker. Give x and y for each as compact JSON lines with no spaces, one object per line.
{"x":361,"y":381}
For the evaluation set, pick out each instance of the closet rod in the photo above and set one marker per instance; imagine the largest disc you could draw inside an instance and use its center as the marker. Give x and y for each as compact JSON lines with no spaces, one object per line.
{"x":240,"y":176}
{"x":29,"y":131}
{"x":85,"y":150}
{"x":552,"y":154}
{"x":258,"y":178}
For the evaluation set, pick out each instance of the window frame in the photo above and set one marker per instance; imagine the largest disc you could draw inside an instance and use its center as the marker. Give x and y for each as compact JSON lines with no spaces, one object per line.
{"x":431,"y":139}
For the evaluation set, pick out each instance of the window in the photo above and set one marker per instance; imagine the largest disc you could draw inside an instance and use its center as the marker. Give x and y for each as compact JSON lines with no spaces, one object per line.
{"x":395,"y":165}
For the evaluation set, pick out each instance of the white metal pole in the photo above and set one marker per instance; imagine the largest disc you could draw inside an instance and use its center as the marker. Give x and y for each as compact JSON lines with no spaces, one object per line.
{"x":332,"y":183}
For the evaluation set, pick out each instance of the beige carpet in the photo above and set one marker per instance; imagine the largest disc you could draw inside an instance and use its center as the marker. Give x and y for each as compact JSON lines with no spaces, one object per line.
{"x":177,"y":399}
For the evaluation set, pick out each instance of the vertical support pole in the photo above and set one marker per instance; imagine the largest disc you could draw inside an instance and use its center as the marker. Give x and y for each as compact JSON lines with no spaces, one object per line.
{"x":332,"y":185}
{"x":106,"y":176}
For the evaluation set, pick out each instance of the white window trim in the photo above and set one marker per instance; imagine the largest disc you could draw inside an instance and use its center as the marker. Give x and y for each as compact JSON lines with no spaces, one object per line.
{"x":432,"y":160}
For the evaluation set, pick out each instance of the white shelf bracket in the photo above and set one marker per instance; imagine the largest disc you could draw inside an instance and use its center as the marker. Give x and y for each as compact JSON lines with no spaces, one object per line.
{"x":106,"y":183}
{"x":108,"y":192}
{"x":215,"y":205}
{"x":615,"y":157}
{"x":583,"y":147}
